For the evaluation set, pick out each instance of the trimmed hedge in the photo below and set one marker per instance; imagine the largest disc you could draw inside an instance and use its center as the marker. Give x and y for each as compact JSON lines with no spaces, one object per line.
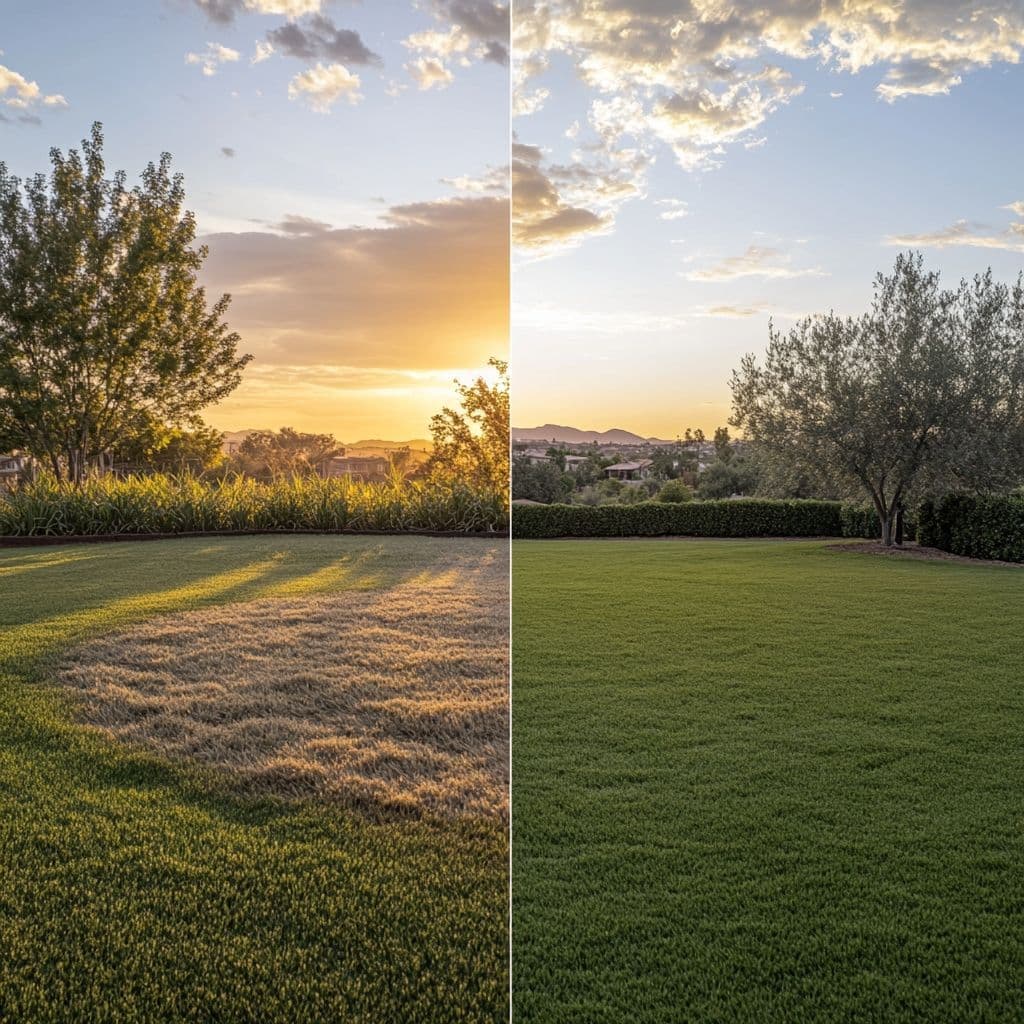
{"x":743,"y":517}
{"x":975,"y":526}
{"x":860,"y":521}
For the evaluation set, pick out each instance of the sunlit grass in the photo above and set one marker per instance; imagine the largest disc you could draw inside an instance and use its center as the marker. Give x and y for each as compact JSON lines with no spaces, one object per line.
{"x":135,"y":890}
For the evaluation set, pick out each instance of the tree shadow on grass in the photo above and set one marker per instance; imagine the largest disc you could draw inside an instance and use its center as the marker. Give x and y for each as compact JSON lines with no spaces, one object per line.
{"x":36,"y":725}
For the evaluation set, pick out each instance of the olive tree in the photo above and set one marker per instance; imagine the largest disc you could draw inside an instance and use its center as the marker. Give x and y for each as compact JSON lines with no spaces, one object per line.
{"x":922,"y":393}
{"x":103,"y":324}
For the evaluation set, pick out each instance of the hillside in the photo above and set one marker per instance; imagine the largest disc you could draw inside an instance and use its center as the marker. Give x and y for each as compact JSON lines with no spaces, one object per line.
{"x":574,"y":435}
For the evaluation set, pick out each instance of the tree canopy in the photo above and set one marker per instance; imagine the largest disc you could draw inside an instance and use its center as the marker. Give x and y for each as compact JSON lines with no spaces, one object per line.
{"x":471,"y":443}
{"x":922,"y":393}
{"x":103,"y":324}
{"x":286,"y":452}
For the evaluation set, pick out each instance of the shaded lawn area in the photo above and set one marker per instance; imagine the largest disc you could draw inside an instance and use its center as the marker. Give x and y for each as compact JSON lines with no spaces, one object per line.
{"x":131,"y":890}
{"x":764,"y":781}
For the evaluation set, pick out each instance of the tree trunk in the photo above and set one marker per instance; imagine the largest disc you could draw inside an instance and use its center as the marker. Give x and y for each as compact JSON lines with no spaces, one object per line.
{"x":76,"y":466}
{"x":899,"y":526}
{"x":887,"y":531}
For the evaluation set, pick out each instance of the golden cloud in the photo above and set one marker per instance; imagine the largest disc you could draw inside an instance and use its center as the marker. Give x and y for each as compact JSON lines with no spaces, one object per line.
{"x":426,"y":288}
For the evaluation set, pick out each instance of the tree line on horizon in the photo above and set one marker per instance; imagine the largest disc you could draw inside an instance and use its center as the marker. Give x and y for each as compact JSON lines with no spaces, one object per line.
{"x":920,"y":396}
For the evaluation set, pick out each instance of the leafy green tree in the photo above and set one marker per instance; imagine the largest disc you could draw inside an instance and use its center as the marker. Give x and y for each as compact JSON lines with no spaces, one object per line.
{"x":287,"y":452}
{"x":724,"y":479}
{"x":401,"y":460}
{"x":102,"y":320}
{"x":557,"y":456}
{"x":543,"y":482}
{"x":671,"y":461}
{"x":923,"y":392}
{"x":591,"y":471}
{"x":723,"y":445}
{"x":471,"y":443}
{"x":161,"y":448}
{"x":675,"y":491}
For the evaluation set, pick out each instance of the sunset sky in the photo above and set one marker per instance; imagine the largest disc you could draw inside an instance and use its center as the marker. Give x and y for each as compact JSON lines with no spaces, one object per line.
{"x":347,"y":164}
{"x":684,"y":171}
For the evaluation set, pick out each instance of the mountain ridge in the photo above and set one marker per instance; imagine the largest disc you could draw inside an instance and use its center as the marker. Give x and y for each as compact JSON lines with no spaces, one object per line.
{"x":574,"y":435}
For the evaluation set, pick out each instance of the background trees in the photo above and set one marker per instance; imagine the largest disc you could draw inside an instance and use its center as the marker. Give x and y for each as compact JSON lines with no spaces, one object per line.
{"x":286,"y":452}
{"x":471,"y":443}
{"x":102,"y":320}
{"x":156,"y":447}
{"x":922,"y":393}
{"x":543,"y":482}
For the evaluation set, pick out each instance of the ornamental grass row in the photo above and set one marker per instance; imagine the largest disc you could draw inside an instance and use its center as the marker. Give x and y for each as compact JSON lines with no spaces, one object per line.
{"x":162,"y":504}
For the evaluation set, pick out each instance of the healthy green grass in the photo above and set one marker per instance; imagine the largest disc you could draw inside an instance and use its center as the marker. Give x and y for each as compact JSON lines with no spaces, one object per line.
{"x":134,"y":891}
{"x":766,"y":782}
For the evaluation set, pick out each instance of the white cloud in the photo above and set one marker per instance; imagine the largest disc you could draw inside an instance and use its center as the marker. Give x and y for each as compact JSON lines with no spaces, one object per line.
{"x":472,"y":31}
{"x":323,"y":85}
{"x":756,"y":261}
{"x":427,"y":72}
{"x":556,"y":205}
{"x":963,"y":233}
{"x":262,"y":52}
{"x":562,"y":320}
{"x":675,"y":209}
{"x":212,"y":57}
{"x":700,"y":76}
{"x":495,"y":179}
{"x":290,"y":8}
{"x":440,"y":44}
{"x":21,"y":93}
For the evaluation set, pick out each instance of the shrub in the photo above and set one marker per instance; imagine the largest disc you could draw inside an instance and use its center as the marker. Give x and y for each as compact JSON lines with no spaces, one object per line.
{"x":743,"y":517}
{"x":675,"y":491}
{"x":860,"y":521}
{"x":976,"y":526}
{"x":186,"y":504}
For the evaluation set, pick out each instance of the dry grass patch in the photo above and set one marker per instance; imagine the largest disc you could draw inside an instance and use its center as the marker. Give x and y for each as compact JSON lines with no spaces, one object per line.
{"x":389,"y":701}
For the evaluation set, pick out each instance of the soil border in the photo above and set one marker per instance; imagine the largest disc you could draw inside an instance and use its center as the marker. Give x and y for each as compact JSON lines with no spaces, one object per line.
{"x":49,"y":540}
{"x":913,"y":551}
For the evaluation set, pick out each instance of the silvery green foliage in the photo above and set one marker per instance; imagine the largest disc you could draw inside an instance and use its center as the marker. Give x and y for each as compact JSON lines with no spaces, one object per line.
{"x":923,"y":393}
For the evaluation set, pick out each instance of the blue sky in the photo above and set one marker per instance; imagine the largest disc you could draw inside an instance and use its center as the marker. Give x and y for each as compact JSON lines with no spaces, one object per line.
{"x":636,"y":321}
{"x":346,"y":219}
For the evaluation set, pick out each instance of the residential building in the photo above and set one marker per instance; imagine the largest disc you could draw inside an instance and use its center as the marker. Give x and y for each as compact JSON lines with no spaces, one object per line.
{"x":630,"y":472}
{"x":368,"y":468}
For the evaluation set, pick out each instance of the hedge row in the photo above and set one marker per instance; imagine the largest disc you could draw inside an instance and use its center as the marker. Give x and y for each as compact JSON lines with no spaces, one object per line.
{"x":745,"y":517}
{"x":976,"y":526}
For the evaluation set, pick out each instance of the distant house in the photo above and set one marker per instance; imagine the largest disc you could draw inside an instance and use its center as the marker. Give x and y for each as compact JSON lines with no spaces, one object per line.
{"x":574,"y":462}
{"x":630,"y":471}
{"x":536,"y":457}
{"x":11,"y":467}
{"x":368,"y":468}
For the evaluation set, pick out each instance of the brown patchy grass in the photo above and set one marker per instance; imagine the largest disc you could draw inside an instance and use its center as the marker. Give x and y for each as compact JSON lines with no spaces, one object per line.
{"x":393,"y":702}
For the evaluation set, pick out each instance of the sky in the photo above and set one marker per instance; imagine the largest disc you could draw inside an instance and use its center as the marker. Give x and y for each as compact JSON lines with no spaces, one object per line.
{"x":347,"y":164}
{"x":684,"y":172}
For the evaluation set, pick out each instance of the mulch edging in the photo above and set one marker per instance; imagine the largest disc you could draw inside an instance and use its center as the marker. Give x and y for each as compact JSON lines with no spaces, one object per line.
{"x":915,"y":551}
{"x":47,"y":540}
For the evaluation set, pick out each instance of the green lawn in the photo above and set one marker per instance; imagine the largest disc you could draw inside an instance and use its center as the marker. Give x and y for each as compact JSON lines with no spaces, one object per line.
{"x":766,"y":782}
{"x":135,"y":891}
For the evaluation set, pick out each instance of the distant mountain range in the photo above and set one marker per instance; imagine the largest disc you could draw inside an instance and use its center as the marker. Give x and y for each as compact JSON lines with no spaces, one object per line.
{"x":573,"y":435}
{"x":371,"y":444}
